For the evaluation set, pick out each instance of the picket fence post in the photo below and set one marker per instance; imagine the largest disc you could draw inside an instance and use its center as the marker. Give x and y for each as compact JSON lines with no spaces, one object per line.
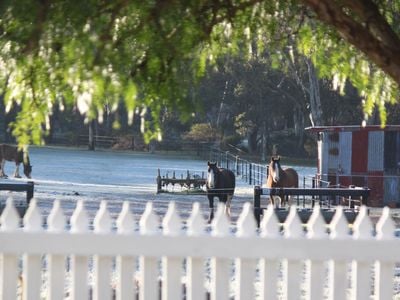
{"x":362,"y":230}
{"x":294,"y":260}
{"x":339,"y":231}
{"x":56,"y":222}
{"x":220,"y":266}
{"x":79,"y":263}
{"x":293,"y":269}
{"x":102,"y":264}
{"x":316,"y":229}
{"x":171,"y":266}
{"x":9,"y":262}
{"x":245,"y":268}
{"x":125,"y":265}
{"x":195,"y":269}
{"x":148,"y":284}
{"x":269,"y":268}
{"x":32,"y":263}
{"x":384,"y":271}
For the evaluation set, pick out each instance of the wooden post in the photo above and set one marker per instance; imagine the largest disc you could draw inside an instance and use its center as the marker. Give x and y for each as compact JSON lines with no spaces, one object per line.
{"x":29,"y":191}
{"x":158,"y":181}
{"x":188,"y":179}
{"x":257,"y":204}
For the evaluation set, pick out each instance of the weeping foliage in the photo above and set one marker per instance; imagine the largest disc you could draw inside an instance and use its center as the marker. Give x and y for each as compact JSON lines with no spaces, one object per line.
{"x":92,"y":54}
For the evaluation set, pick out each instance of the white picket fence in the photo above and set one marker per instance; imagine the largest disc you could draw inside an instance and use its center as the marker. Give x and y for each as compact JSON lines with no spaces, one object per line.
{"x":152,"y":260}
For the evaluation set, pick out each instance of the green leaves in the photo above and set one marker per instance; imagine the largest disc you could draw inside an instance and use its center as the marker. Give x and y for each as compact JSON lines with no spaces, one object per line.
{"x":95,"y":54}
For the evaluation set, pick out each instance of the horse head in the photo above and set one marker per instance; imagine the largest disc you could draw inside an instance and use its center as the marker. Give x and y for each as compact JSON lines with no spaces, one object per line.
{"x":212,"y":174}
{"x":274,"y":168}
{"x":27,"y":170}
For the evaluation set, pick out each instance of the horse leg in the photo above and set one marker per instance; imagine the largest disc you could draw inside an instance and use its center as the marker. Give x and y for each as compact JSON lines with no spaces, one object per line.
{"x":16,"y":173}
{"x":228,"y":205}
{"x":211,"y":205}
{"x":2,"y":174}
{"x":289,"y":200}
{"x":276,"y":201}
{"x":283,"y":199}
{"x":271,"y":200}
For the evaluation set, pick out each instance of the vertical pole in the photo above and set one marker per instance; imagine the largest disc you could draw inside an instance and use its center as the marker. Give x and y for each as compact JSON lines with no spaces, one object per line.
{"x":257,"y":204}
{"x":247,"y":174}
{"x":304,"y":186}
{"x":258,"y":174}
{"x":250,"y":167}
{"x":227,"y":160}
{"x":312,"y":197}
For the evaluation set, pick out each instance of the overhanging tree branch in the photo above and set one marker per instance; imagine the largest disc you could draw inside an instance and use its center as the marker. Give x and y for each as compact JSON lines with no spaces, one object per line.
{"x":362,"y":35}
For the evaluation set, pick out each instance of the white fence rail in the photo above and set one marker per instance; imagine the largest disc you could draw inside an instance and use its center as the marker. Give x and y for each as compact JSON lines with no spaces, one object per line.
{"x":185,"y":260}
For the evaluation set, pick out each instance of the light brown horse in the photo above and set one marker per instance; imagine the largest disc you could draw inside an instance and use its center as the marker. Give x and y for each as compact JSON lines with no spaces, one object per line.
{"x":278,"y":177}
{"x":11,"y":153}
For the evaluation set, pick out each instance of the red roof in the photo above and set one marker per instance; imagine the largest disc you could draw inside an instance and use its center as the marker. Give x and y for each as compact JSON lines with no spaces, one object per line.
{"x":353,"y":128}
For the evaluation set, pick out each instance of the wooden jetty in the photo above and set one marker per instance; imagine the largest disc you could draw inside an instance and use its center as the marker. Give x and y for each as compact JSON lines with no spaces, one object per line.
{"x":190,"y":181}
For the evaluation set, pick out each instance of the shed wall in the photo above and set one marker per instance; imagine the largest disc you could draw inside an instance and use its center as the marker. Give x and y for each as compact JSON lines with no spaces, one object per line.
{"x":345,"y":147}
{"x":359,"y":157}
{"x":391,"y":190}
{"x":375,"y":150}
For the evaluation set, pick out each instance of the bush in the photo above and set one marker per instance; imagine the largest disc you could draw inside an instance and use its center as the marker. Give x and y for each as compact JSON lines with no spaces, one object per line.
{"x":201,"y":132}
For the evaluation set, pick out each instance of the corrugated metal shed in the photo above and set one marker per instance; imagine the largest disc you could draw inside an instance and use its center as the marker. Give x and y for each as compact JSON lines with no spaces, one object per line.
{"x":362,"y":156}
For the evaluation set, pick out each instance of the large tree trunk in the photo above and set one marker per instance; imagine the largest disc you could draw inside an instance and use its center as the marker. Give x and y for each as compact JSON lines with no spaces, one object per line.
{"x":315,"y":98}
{"x":92,"y":129}
{"x":252,"y":139}
{"x":2,"y":120}
{"x":264,"y":141}
{"x":298,"y":119}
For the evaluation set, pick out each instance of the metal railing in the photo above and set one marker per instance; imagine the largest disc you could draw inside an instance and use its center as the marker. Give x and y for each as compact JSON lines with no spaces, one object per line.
{"x":250,"y":172}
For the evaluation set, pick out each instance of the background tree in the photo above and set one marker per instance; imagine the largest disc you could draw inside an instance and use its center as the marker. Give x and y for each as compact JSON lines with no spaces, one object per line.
{"x":148,"y":54}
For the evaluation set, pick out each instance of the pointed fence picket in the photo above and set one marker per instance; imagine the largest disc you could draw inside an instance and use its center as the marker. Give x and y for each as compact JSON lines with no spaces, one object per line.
{"x":171,"y":259}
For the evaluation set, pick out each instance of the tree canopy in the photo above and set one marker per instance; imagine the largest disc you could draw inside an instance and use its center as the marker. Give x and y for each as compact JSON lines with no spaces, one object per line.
{"x":150,"y":54}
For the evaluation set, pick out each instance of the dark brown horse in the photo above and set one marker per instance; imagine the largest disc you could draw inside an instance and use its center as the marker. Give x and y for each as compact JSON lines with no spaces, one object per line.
{"x":221,"y":184}
{"x":278,"y":177}
{"x":12,"y":153}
